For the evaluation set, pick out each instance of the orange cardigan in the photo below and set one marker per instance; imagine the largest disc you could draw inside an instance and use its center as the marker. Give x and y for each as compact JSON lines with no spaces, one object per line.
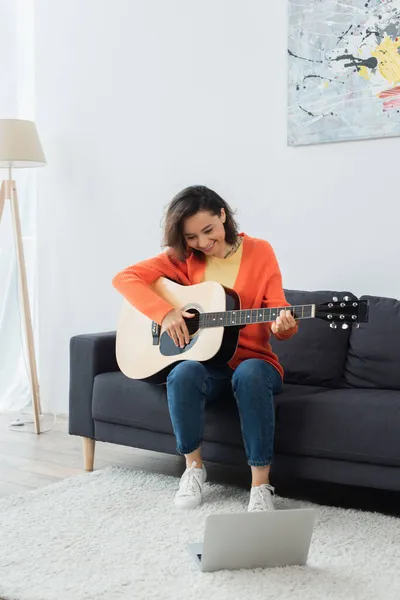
{"x":258,"y":283}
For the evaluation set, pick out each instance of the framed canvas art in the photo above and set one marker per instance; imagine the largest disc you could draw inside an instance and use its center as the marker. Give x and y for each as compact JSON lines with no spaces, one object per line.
{"x":343,"y":70}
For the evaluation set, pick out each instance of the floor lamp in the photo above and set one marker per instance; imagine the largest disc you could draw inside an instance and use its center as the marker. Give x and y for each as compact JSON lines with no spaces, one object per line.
{"x":20,"y":147}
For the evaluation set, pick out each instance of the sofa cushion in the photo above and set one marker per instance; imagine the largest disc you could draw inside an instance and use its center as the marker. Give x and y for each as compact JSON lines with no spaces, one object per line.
{"x":348,"y":424}
{"x":123,"y":401}
{"x":373,"y":359}
{"x":316,"y":355}
{"x":120,"y":400}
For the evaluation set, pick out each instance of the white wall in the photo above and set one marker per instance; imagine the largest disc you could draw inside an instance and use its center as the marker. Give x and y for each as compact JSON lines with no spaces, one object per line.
{"x":136,"y":100}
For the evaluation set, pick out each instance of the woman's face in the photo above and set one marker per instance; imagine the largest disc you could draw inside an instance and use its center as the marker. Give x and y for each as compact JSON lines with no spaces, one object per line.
{"x":205,"y":232}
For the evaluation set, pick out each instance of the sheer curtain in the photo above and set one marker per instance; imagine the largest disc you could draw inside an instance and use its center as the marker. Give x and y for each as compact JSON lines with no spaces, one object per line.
{"x":16,"y":101}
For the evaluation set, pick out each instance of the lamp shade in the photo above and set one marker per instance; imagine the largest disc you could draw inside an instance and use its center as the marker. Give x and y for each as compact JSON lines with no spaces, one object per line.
{"x":20,"y":145}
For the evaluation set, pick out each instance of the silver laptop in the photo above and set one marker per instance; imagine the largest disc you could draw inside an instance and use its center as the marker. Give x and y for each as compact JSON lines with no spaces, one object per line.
{"x":261,"y":539}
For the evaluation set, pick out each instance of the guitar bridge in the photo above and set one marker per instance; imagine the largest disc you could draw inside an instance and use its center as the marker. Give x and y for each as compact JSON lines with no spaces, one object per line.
{"x":155,"y":332}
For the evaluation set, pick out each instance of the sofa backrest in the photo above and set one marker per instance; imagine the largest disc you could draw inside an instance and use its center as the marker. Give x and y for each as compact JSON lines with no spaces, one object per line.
{"x":373,"y":358}
{"x":316,"y":355}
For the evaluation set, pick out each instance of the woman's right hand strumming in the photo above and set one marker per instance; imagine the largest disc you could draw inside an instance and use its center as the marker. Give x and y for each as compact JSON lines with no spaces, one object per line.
{"x":174,"y":324}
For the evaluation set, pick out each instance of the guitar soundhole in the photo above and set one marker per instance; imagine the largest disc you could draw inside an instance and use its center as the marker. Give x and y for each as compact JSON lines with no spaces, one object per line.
{"x":167,"y":346}
{"x":193,"y":323}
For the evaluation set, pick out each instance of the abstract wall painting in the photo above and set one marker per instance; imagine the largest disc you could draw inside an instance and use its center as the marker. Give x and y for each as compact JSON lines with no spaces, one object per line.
{"x":344,"y":70}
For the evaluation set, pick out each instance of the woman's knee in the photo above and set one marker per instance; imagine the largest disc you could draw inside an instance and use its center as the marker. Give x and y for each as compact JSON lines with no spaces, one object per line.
{"x":187,"y":372}
{"x":255,"y":373}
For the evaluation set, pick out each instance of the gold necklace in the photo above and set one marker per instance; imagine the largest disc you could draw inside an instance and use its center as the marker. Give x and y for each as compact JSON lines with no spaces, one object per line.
{"x":234,"y":247}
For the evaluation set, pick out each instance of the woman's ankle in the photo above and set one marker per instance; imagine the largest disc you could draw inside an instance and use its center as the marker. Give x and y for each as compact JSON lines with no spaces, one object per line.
{"x":260,"y":475}
{"x":194,"y":457}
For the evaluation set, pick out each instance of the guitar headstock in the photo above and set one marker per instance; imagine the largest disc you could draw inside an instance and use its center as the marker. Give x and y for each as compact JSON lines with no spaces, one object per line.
{"x":343,"y":313}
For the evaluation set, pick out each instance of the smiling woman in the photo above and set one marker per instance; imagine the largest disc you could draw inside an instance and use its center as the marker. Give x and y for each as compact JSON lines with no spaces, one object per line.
{"x":199,"y":220}
{"x":204,"y":244}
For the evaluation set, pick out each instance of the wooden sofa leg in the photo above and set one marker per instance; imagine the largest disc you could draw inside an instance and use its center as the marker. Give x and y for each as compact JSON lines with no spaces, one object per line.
{"x":88,"y":453}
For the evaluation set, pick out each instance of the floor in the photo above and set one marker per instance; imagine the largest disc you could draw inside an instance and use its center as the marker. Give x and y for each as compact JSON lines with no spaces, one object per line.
{"x":29,"y":461}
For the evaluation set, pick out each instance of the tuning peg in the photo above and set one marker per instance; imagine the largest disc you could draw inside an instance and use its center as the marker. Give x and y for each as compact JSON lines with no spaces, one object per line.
{"x":333,"y":326}
{"x":335,"y":299}
{"x":345,"y":326}
{"x":346,"y":298}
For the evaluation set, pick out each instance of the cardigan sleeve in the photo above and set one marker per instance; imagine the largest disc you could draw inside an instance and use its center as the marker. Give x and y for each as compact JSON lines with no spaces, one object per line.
{"x":134,"y":284}
{"x":274,"y":295}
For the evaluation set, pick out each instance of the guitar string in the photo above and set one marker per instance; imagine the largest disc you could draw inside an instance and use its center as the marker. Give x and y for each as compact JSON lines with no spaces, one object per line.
{"x":227,"y":315}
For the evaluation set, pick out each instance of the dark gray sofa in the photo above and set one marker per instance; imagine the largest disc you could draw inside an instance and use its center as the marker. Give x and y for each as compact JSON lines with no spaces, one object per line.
{"x":337,"y":419}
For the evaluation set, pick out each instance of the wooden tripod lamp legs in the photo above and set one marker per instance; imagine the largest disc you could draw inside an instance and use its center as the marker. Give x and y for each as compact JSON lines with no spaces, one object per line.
{"x":9,"y":192}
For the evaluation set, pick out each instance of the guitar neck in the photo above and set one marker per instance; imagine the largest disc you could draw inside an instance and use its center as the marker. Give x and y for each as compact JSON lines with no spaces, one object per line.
{"x":232,"y":318}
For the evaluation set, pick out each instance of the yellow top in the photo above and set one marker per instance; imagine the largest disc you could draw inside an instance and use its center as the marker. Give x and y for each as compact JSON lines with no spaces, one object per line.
{"x":223,"y":270}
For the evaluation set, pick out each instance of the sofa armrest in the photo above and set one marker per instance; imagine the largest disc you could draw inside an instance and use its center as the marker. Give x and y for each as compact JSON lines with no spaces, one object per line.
{"x":90,"y":355}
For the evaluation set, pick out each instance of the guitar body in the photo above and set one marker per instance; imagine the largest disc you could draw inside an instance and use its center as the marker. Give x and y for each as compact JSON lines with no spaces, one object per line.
{"x":149,"y":355}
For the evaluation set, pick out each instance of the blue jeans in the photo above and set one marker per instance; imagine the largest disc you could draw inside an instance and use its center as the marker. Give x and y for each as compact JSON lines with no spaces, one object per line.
{"x":192,"y":385}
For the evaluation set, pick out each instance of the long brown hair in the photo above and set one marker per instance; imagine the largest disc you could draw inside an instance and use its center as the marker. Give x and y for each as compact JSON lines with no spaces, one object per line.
{"x":187,"y":203}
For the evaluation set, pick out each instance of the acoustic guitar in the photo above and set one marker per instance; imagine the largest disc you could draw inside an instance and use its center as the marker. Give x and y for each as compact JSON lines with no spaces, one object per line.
{"x":145,"y":351}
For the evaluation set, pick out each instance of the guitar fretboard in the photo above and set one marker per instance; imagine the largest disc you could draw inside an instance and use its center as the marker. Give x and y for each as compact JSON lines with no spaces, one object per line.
{"x":256,"y":315}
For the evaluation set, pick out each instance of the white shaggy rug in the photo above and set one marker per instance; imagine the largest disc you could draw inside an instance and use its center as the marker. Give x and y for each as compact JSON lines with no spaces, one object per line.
{"x":115,"y":535}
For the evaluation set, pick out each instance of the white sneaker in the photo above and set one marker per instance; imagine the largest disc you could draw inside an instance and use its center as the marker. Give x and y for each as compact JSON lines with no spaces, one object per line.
{"x":190,"y":487}
{"x":261,"y":498}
